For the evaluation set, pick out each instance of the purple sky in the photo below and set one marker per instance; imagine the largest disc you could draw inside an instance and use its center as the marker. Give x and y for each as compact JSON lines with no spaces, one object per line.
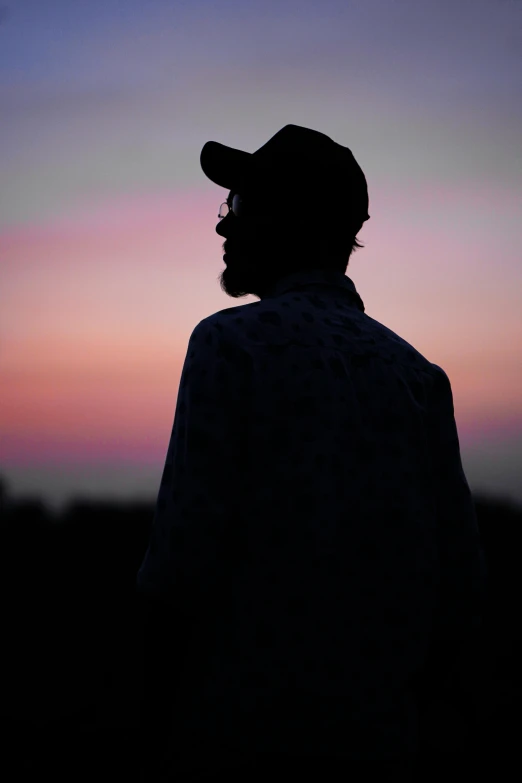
{"x":108,"y":254}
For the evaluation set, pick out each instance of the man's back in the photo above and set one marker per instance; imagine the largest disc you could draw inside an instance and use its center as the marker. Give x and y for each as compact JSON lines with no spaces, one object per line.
{"x":332,"y":541}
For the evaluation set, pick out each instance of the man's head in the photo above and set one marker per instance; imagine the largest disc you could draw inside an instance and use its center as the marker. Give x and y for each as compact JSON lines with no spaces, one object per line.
{"x":261,"y":246}
{"x":299,"y":202}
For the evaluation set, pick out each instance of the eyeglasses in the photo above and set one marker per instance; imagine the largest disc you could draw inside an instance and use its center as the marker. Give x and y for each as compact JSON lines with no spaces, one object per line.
{"x":236,"y":206}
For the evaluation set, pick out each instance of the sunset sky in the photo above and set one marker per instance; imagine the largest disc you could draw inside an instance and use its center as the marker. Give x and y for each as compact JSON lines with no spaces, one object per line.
{"x":108,"y":251}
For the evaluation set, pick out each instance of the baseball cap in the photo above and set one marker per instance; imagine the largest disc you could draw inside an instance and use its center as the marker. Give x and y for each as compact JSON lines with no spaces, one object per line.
{"x":305,"y":165}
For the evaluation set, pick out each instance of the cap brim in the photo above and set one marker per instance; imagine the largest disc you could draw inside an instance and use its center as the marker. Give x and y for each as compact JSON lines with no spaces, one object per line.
{"x":223,"y":165}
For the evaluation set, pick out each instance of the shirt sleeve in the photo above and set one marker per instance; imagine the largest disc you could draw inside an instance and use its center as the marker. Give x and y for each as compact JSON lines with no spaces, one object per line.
{"x":200,"y":500}
{"x":463,"y":565}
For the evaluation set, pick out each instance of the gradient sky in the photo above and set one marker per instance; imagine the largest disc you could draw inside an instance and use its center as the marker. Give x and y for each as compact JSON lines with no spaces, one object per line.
{"x":108,"y":251}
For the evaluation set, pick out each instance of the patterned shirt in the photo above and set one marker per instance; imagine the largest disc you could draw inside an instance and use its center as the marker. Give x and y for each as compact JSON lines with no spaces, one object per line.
{"x":313,"y":524}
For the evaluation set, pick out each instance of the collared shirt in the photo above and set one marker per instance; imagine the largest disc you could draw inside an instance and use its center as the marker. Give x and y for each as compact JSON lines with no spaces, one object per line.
{"x":314,"y":524}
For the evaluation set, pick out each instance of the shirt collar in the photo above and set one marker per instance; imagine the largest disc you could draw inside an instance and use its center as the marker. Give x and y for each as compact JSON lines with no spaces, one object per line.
{"x":317,"y":277}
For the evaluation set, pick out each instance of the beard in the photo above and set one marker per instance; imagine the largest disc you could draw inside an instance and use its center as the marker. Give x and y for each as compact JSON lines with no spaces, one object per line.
{"x":250,"y":270}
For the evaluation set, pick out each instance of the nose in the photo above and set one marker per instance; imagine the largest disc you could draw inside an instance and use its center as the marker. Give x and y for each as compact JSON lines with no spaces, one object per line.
{"x":222,"y":226}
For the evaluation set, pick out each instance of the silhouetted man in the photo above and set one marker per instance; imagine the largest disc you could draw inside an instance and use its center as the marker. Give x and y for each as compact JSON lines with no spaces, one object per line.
{"x":315,"y":536}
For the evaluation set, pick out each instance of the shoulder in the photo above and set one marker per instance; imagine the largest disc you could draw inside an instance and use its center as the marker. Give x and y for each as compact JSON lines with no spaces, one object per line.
{"x":232,"y":325}
{"x":219,"y":344}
